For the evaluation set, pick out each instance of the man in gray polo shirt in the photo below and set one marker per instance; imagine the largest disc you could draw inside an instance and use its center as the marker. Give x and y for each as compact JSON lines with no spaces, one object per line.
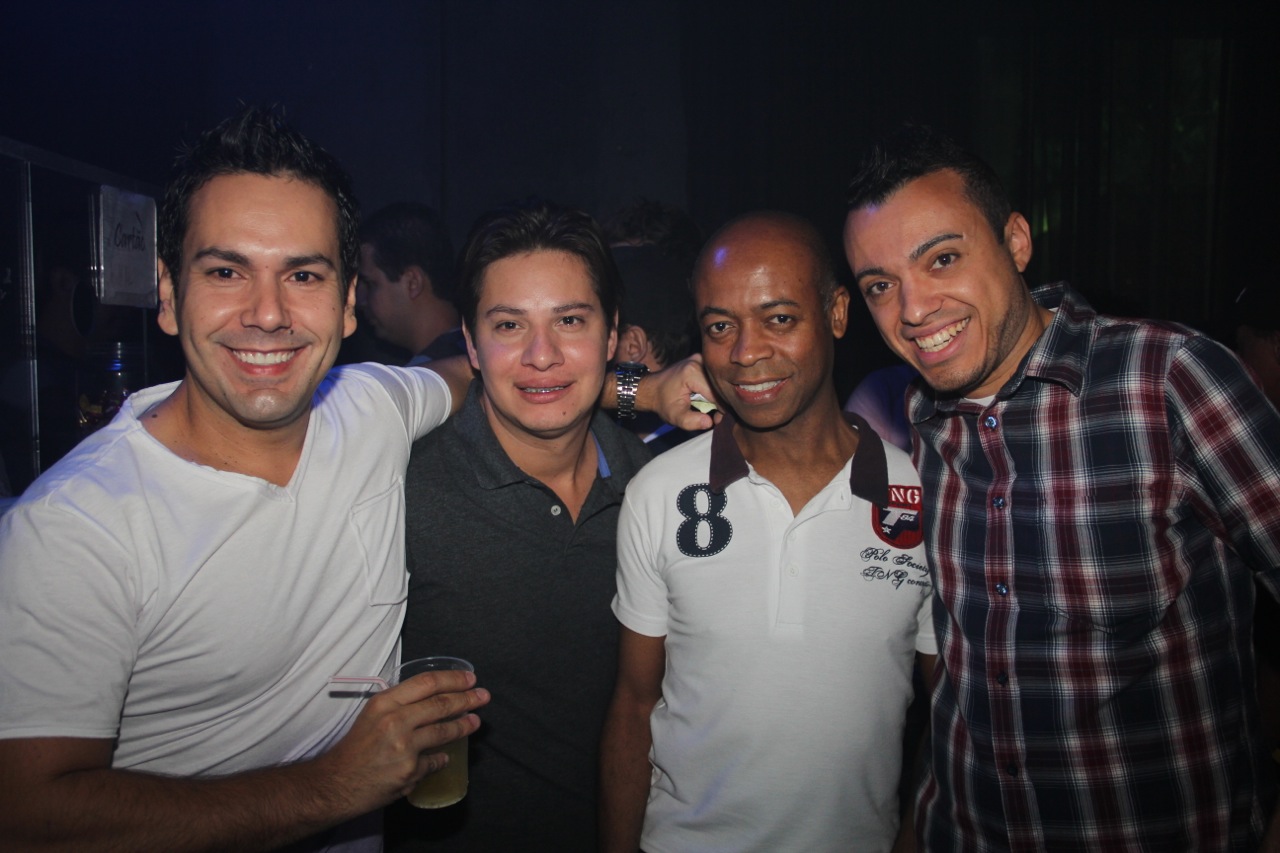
{"x":512,"y":514}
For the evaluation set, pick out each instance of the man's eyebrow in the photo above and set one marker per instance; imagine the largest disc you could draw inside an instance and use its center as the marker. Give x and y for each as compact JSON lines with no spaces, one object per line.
{"x":777,"y":303}
{"x":233,"y":257}
{"x":221,"y":255}
{"x":863,"y":273}
{"x":504,"y":309}
{"x":931,"y":242}
{"x":915,"y":255}
{"x":763,"y":306}
{"x":573,"y":306}
{"x":308,"y":260}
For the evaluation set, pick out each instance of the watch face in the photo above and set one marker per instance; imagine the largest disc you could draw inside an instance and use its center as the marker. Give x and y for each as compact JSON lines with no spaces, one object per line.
{"x":632,"y":367}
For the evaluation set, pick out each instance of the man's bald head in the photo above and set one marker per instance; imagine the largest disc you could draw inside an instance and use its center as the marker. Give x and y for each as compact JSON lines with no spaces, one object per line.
{"x":763,"y":234}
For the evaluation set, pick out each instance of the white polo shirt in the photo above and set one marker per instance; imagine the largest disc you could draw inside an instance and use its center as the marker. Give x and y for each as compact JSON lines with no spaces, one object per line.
{"x":790,"y":641}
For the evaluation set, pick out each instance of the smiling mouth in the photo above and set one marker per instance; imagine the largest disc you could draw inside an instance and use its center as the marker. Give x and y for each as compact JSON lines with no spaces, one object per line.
{"x":264,"y":358}
{"x":941,"y":338}
{"x":760,"y":386}
{"x":548,"y":390}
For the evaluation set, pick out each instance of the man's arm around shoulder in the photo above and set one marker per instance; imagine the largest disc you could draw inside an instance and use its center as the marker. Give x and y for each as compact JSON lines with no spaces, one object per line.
{"x":624,"y":746}
{"x":60,"y":793}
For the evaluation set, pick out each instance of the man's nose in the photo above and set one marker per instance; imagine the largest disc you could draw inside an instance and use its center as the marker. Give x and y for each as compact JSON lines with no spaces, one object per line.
{"x":750,"y":346}
{"x":917,"y":301}
{"x":543,"y":349}
{"x":268,"y":306}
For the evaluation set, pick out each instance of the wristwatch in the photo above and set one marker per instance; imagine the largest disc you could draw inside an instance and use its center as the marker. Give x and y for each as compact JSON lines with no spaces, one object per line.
{"x":629,"y":374}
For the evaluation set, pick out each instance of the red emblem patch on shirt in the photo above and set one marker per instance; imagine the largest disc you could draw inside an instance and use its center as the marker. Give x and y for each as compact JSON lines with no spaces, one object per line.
{"x":898,"y":524}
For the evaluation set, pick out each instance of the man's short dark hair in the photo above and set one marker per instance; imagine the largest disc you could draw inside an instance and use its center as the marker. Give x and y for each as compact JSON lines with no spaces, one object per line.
{"x":406,"y":234}
{"x":255,"y":141}
{"x":915,"y":151}
{"x":536,"y":226}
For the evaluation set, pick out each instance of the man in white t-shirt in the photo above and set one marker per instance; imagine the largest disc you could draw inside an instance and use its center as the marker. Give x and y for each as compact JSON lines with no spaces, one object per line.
{"x":772,"y":586}
{"x":176,"y":592}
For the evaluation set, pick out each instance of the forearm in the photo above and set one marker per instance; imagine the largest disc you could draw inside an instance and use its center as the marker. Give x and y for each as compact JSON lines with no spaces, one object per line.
{"x":61,"y":794}
{"x":624,"y":779}
{"x":106,"y":809}
{"x":457,"y":374}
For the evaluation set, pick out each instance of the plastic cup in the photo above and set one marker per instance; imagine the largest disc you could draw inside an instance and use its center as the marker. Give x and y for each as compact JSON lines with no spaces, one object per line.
{"x":448,"y":785}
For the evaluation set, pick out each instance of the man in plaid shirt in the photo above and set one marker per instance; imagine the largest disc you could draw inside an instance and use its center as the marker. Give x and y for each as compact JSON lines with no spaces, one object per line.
{"x":1099,"y":495}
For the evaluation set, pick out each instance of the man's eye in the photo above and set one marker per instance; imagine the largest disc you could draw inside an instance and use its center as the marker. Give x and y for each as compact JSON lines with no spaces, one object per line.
{"x":717,"y":328}
{"x":946,"y":259}
{"x":782,"y":319}
{"x":306,"y":277}
{"x":571,"y":321}
{"x":223,"y":272}
{"x":874,"y":289}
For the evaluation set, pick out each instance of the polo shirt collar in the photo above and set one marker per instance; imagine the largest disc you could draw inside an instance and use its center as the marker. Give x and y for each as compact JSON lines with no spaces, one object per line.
{"x":868,"y":474}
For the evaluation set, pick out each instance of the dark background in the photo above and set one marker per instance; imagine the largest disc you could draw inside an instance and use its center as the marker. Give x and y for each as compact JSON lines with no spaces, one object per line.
{"x":1134,"y":136}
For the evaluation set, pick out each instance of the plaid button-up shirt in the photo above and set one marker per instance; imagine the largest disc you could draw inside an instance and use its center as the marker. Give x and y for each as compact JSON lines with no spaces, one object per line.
{"x":1095,"y":531}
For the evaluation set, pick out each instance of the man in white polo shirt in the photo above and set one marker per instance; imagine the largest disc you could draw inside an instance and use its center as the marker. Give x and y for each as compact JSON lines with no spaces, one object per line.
{"x":772,"y":586}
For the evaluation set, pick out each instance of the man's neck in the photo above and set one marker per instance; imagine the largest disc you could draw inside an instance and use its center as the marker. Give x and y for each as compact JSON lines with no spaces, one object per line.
{"x":801,"y":457}
{"x":565,"y":463}
{"x":193,"y":430}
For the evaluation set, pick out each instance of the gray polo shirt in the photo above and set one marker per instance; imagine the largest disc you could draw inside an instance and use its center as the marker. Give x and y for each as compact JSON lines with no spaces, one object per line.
{"x":501,"y":576}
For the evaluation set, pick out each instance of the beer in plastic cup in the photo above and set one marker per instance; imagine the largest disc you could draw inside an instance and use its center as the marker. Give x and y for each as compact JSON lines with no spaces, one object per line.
{"x":446,"y":786}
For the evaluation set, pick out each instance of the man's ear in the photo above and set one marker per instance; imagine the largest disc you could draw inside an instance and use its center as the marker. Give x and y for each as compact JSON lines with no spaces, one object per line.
{"x":633,"y":344}
{"x":349,"y":309}
{"x":415,"y":281}
{"x":167,"y":317}
{"x":839,"y":313}
{"x":1017,"y":239}
{"x":471,"y":348}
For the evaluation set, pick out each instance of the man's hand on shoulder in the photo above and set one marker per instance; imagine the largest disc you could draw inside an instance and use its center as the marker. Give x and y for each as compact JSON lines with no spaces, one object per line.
{"x":667,"y":393}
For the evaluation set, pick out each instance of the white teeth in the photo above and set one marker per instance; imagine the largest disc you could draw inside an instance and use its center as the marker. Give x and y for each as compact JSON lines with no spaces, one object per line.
{"x":264,"y":357}
{"x":543,"y":390}
{"x":763,"y":386}
{"x":938,"y":340}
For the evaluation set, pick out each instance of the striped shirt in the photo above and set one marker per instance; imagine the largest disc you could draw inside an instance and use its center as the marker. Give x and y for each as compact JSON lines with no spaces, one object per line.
{"x":1095,"y":530}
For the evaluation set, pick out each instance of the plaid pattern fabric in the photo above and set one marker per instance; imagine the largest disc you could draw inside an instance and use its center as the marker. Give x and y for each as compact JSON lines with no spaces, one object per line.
{"x":1094,"y":532}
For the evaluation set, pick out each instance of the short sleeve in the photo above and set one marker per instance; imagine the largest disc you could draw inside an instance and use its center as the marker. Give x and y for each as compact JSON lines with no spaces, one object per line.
{"x":419,"y":394}
{"x":641,"y":601}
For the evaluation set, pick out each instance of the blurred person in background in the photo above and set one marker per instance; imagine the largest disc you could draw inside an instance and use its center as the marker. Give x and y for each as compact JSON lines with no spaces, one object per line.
{"x":406,"y":288}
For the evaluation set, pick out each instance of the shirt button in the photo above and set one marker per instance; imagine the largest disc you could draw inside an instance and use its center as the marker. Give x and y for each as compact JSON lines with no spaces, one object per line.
{"x":1002,"y":588}
{"x":792,"y":570}
{"x":1011,"y":769}
{"x":990,"y":422}
{"x":1002,"y":678}
{"x":998,"y":503}
{"x":555,"y":510}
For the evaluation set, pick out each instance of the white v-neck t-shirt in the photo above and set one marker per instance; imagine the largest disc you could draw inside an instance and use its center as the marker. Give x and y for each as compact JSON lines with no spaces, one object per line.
{"x":196,"y":615}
